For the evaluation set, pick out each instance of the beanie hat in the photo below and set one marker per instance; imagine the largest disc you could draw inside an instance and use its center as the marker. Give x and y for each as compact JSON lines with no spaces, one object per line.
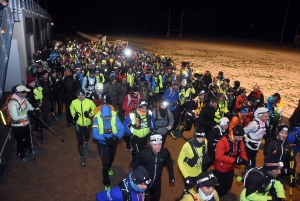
{"x":134,"y":89}
{"x":260,"y":111}
{"x":140,"y":175}
{"x":142,"y":79}
{"x":283,"y":128}
{"x":207,"y":179}
{"x":199,"y":132}
{"x":238,"y":131}
{"x":272,"y":163}
{"x":80,"y":92}
{"x":176,"y":82}
{"x":224,"y":121}
{"x":156,"y":139}
{"x":244,"y":110}
{"x":44,"y":72}
{"x":30,"y":79}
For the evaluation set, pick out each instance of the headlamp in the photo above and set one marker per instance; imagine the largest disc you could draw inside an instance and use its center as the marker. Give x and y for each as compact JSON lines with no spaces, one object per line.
{"x":210,"y":176}
{"x":280,"y":164}
{"x":165,"y":103}
{"x":147,"y":181}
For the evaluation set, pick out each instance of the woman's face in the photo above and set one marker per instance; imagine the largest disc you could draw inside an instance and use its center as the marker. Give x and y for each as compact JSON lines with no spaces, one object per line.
{"x":207,"y":190}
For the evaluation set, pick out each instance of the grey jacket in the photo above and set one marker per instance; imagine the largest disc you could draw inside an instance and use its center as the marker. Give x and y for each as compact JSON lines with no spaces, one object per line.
{"x":160,"y":123}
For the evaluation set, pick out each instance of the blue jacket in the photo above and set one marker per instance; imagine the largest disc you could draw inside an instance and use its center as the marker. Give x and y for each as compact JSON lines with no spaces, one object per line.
{"x":171,"y":96}
{"x":115,"y":194}
{"x":151,"y":81}
{"x":53,"y":56}
{"x":164,"y":78}
{"x":270,"y":106}
{"x":106,"y":111}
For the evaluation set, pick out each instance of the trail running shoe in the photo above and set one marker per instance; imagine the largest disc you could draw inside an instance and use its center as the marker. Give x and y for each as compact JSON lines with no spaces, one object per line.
{"x":25,"y":160}
{"x":173,"y":135}
{"x":110,"y":172}
{"x":56,"y":118}
{"x":61,"y":117}
{"x":82,"y":160}
{"x":106,"y":188}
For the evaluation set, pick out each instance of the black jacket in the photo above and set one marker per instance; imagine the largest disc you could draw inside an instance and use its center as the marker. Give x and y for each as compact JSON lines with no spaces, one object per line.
{"x":295,"y":118}
{"x":206,"y":118}
{"x":215,"y":135}
{"x":279,"y":148}
{"x":154,"y":162}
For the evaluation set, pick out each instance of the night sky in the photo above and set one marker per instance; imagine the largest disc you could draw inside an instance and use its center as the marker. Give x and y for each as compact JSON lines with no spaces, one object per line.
{"x":258,"y":19}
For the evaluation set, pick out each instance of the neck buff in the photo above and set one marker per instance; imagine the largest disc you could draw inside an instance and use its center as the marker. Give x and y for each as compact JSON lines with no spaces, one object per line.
{"x":205,"y":197}
{"x":132,"y":186}
{"x":196,"y":143}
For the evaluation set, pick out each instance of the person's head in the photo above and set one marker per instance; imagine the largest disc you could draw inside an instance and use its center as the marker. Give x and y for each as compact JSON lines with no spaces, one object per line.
{"x":243,"y":91}
{"x":78,"y":70}
{"x":206,"y":182}
{"x":53,"y":73}
{"x":31,"y":81}
{"x":224,"y":123}
{"x":282,"y":132}
{"x":123,"y":79}
{"x":99,"y":88}
{"x":68,"y":72}
{"x":213,"y":102}
{"x":277,"y":97}
{"x":142,"y":80}
{"x":138,"y":179}
{"x":199,"y":134}
{"x":238,"y":133}
{"x":21,"y":91}
{"x":80,"y":94}
{"x":273,"y":166}
{"x":220,"y":74}
{"x":156,"y":143}
{"x":143,"y":105}
{"x":134,"y":91}
{"x":92,"y":73}
{"x":106,"y":113}
{"x":163,"y":103}
{"x":129,"y":71}
{"x":221,"y":97}
{"x":256,"y":88}
{"x":262,"y":113}
{"x":45,"y":74}
{"x":4,"y":2}
{"x":113,"y":80}
{"x":201,"y":94}
{"x":244,"y":111}
{"x":39,"y":68}
{"x":175,"y":85}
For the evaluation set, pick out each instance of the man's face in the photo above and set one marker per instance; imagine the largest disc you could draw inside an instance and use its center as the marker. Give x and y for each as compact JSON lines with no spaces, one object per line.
{"x":202,"y":96}
{"x":81,"y":97}
{"x":238,"y":138}
{"x":224,"y":127}
{"x":143,"y":187}
{"x":22,"y":95}
{"x":283,"y":135}
{"x":213,"y":104}
{"x":275,"y":173}
{"x":113,"y":82}
{"x":200,"y":139}
{"x":32,"y":84}
{"x":68,"y":72}
{"x":45,"y":76}
{"x":176,"y":87}
{"x":39,"y":69}
{"x":123,"y":81}
{"x":143,"y":108}
{"x":4,"y":3}
{"x":265,"y":117}
{"x":156,"y":147}
{"x":92,"y":75}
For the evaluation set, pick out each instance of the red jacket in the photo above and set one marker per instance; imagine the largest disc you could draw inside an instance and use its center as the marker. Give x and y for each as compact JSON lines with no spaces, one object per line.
{"x":224,"y":163}
{"x":129,"y":102}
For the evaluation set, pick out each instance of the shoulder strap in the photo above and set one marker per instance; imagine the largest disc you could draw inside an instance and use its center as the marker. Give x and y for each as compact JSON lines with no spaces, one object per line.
{"x":124,"y":190}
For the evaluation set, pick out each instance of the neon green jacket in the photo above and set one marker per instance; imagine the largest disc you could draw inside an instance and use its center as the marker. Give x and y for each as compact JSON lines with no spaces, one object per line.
{"x":38,"y":94}
{"x":81,"y":107}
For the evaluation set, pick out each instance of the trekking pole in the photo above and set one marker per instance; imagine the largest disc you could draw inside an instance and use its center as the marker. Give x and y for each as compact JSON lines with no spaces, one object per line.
{"x":50,"y":129}
{"x":33,"y":157}
{"x":292,"y":164}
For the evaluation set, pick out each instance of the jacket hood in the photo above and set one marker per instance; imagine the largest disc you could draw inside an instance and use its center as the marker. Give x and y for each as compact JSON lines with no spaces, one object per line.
{"x":105,"y":111}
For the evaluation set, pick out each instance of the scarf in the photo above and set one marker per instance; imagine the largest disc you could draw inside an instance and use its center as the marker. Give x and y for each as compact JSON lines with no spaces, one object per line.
{"x":205,"y":197}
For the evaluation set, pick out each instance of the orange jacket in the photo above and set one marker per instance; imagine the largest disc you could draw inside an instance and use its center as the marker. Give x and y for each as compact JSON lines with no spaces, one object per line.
{"x":239,"y":102}
{"x":224,"y":163}
{"x":235,"y":121}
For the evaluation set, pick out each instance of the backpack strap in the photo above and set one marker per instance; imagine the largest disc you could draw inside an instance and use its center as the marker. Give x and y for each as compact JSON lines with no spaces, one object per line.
{"x":125,"y":191}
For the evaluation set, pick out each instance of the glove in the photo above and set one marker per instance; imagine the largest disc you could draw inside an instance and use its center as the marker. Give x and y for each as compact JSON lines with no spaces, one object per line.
{"x":239,"y":160}
{"x":110,"y":142}
{"x":30,"y":113}
{"x":169,"y":127}
{"x":115,"y":137}
{"x":76,"y":116}
{"x":152,"y":132}
{"x":86,"y":114}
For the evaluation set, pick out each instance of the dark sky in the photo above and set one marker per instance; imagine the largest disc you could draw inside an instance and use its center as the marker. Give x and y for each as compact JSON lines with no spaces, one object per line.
{"x":248,"y":18}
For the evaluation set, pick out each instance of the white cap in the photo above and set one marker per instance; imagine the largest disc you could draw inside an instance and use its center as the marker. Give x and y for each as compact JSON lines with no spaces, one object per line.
{"x":224,"y":121}
{"x":156,"y":139}
{"x":260,"y":111}
{"x":21,"y":89}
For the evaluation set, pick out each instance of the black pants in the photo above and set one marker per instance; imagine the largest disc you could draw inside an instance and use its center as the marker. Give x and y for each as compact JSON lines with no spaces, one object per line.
{"x":251,"y":154}
{"x":45,"y":109}
{"x":176,"y":114}
{"x":68,"y":101}
{"x":53,"y":102}
{"x":155,"y":190}
{"x":82,"y":133}
{"x":138,"y":144}
{"x":211,"y":153}
{"x":121,"y":113}
{"x":225,"y":180}
{"x":22,"y":135}
{"x":107,"y":156}
{"x":164,"y":137}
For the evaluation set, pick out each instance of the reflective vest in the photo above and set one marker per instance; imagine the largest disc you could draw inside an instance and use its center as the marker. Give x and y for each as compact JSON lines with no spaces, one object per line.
{"x":140,"y":125}
{"x":112,"y":121}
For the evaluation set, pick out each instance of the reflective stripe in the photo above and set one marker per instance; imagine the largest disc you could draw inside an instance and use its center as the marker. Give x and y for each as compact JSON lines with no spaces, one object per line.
{"x":108,"y":195}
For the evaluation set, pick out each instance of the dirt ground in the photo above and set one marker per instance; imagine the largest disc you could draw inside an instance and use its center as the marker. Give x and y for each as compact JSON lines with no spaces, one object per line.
{"x":56,"y":174}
